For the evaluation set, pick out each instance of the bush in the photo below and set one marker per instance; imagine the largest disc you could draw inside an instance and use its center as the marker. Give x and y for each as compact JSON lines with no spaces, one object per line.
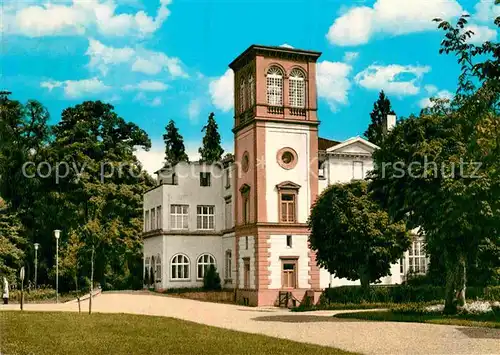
{"x":211,"y":279}
{"x":401,"y":294}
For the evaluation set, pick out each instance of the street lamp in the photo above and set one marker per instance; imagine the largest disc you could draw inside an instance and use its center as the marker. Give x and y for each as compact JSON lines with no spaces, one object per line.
{"x":57,"y":233}
{"x":36,"y":261}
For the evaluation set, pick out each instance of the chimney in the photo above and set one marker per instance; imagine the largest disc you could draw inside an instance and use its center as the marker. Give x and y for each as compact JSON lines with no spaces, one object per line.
{"x":388,"y":124}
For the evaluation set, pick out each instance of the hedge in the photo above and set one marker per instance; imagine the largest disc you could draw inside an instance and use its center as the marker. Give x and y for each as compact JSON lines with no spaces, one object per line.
{"x":401,"y":294}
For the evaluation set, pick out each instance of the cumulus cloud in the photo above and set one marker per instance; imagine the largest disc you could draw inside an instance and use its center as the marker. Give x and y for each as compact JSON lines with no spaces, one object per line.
{"x":333,"y":82}
{"x":350,"y":56}
{"x":486,"y":11}
{"x":443,"y":94}
{"x":481,"y":34}
{"x":221,"y":91}
{"x":77,"y":88}
{"x":81,"y":17}
{"x":359,"y":24}
{"x":145,"y":100}
{"x":147,"y":85}
{"x":390,"y":78}
{"x":102,"y":57}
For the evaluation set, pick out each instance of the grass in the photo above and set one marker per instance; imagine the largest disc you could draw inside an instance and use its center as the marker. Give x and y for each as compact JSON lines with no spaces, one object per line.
{"x":46,"y":333}
{"x":482,"y":320}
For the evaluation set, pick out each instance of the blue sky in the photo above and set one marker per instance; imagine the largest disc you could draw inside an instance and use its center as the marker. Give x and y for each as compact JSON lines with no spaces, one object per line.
{"x":156,"y":60}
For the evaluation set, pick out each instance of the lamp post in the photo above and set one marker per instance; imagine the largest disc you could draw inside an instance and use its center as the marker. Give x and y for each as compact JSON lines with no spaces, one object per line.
{"x":57,"y":233}
{"x":36,"y":262}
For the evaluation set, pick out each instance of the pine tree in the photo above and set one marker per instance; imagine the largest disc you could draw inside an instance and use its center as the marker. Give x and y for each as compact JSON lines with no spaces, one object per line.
{"x":175,"y":151}
{"x":211,"y":151}
{"x":381,"y":108}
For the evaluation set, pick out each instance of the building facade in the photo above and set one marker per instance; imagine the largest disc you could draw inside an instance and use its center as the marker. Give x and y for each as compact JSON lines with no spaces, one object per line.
{"x":247,"y":215}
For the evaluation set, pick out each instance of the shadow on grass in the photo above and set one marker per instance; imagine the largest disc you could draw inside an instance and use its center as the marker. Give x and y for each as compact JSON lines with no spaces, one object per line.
{"x":481,"y":333}
{"x":301,"y":319}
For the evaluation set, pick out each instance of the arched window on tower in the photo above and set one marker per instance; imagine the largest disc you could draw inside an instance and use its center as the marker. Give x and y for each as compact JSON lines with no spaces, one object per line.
{"x":297,"y":88}
{"x":251,"y":91}
{"x":274,"y":86}
{"x":242,"y":96}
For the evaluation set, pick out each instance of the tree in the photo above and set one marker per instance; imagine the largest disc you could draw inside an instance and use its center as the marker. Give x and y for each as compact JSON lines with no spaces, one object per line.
{"x":352,"y":236}
{"x":211,"y":279}
{"x":381,"y":108}
{"x":12,"y":243}
{"x":175,"y":151}
{"x":211,"y":150}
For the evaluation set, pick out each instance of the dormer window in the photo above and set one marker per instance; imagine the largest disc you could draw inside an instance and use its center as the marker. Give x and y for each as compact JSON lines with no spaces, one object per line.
{"x":274,"y":82}
{"x":297,"y":89}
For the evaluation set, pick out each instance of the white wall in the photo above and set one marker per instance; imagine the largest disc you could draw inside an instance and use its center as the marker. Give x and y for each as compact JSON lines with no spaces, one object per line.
{"x":246,"y":253}
{"x":278,"y":248}
{"x":279,"y":136}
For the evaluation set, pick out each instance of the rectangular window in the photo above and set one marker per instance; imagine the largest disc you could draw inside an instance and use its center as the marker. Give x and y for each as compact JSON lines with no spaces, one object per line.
{"x":228,"y":178}
{"x":417,"y":262}
{"x":229,"y":214}
{"x":204,"y":179}
{"x":159,"y":218}
{"x":246,"y":208}
{"x":153,"y":219}
{"x":246,"y":273}
{"x":287,"y":208}
{"x":228,"y":265}
{"x":179,"y":216}
{"x":205,"y":219}
{"x":357,"y":170}
{"x":246,"y":243}
{"x":146,"y":221}
{"x":289,"y":241}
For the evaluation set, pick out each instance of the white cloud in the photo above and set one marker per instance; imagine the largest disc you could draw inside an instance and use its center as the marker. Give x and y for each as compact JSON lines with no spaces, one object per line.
{"x":143,"y":98}
{"x":140,"y":60}
{"x":286,"y":45}
{"x":359,"y":24}
{"x":101,"y":56}
{"x":81,"y":17}
{"x":387,"y":78}
{"x":350,"y":56}
{"x":443,"y":94}
{"x":222,"y":91}
{"x":333,"y":83}
{"x":486,"y":11}
{"x":146,"y":85}
{"x":431,"y":89}
{"x":156,"y":101}
{"x":481,"y":34}
{"x":194,"y":109}
{"x":77,"y":88}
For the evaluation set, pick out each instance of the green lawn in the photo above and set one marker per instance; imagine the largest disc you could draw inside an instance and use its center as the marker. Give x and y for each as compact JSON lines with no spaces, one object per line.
{"x":72,"y":333}
{"x":487,"y":321}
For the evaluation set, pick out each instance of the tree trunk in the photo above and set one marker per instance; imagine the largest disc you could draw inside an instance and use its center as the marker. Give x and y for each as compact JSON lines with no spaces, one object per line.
{"x":91,"y":279}
{"x":77,"y":294}
{"x":461,"y":281}
{"x":450,"y":306}
{"x":364,"y":278}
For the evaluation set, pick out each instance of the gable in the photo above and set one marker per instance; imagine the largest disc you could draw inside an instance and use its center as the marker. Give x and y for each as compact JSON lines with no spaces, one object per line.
{"x":353,"y":146}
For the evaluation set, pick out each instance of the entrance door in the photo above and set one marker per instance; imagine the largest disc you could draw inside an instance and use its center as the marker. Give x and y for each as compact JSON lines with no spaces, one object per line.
{"x":289,"y":274}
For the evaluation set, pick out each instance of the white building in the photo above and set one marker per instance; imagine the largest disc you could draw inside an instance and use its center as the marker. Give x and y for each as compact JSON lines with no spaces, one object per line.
{"x":248,"y":216}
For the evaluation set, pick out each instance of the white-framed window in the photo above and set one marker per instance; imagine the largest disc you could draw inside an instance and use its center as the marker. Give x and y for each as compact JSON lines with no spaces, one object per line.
{"x":357,"y":170}
{"x":251,"y":91}
{"x":228,"y":264}
{"x":146,"y":221}
{"x":297,"y":88}
{"x":179,"y":216}
{"x":242,"y":95}
{"x":205,"y":217}
{"x":147,"y":262}
{"x":158,"y":268}
{"x":417,"y":260}
{"x":179,"y":267}
{"x":274,"y":81}
{"x":228,"y":213}
{"x":159,"y":218}
{"x":153,"y":219}
{"x":203,"y":263}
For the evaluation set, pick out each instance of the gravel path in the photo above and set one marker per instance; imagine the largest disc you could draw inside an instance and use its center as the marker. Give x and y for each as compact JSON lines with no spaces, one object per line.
{"x":310,"y":327}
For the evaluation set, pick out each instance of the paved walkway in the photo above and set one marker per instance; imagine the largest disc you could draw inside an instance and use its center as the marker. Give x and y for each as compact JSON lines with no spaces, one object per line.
{"x":310,"y":327}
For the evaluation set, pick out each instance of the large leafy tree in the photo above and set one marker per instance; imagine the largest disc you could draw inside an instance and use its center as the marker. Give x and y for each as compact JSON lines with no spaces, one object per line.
{"x":175,"y":151}
{"x":441,"y":170}
{"x":352,"y":236}
{"x":211,"y":150}
{"x":12,"y":242}
{"x":381,"y":108}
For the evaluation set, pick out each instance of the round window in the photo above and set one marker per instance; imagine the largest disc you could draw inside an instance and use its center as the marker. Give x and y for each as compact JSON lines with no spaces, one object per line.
{"x":287,"y":158}
{"x":245,"y":162}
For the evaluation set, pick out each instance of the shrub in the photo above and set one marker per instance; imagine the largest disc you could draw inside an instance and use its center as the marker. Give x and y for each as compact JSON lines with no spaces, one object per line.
{"x":211,"y":279}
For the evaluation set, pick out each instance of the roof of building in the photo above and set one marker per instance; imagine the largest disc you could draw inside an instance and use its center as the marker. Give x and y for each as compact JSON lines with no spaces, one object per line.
{"x":324,"y":144}
{"x":255,"y":48}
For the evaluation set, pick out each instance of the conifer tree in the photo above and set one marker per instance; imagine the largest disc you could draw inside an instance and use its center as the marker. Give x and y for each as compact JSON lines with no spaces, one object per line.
{"x":211,"y":150}
{"x":381,"y":108}
{"x":175,"y":151}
